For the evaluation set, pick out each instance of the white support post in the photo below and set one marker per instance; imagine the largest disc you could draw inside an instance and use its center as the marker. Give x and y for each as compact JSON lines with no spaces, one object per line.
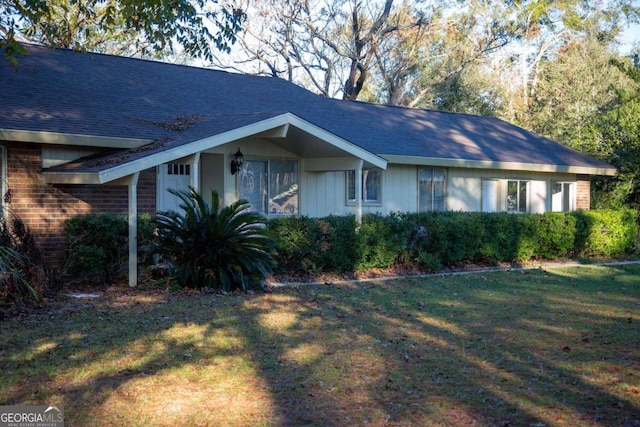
{"x":358,"y":179}
{"x":194,"y":161}
{"x":133,"y":229}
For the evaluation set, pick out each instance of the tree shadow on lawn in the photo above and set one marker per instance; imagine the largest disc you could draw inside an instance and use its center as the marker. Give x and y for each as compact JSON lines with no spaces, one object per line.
{"x":486,"y":349}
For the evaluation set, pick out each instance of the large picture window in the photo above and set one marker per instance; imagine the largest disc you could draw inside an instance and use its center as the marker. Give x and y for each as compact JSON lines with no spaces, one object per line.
{"x":432,"y":189}
{"x":270,"y":186}
{"x":371,"y":186}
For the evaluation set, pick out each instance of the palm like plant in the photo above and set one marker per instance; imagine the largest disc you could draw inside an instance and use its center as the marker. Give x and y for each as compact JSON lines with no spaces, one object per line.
{"x":225,"y":248}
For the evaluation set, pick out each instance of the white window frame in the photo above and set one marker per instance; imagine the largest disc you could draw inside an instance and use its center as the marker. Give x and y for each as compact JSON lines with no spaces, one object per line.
{"x":269,"y":197}
{"x":3,"y":178}
{"x":433,"y":198}
{"x":571,"y":197}
{"x":351,"y":176}
{"x":527,"y":197}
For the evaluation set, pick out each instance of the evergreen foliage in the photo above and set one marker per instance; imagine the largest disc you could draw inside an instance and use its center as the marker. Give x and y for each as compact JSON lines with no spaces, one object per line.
{"x":225,"y":248}
{"x":430,"y":241}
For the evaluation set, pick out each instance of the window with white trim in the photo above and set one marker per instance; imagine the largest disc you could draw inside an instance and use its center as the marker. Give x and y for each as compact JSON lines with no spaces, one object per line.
{"x":562,"y":197}
{"x":517,"y":196}
{"x":270,"y":186}
{"x":371,"y":186}
{"x":432,"y":185}
{"x":178,"y":169}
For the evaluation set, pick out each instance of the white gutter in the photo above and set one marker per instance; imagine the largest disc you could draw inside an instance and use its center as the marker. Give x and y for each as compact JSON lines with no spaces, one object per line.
{"x":489,"y":164}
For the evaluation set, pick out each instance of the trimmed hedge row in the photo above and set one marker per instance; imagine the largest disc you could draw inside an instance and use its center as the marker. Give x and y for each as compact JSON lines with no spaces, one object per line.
{"x":429,"y":241}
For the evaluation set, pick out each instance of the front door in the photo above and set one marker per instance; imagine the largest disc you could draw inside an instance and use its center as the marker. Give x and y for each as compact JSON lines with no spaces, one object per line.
{"x":176,"y":176}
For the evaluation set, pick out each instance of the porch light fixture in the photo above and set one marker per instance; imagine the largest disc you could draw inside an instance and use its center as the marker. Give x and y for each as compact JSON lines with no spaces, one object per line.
{"x":236,"y":163}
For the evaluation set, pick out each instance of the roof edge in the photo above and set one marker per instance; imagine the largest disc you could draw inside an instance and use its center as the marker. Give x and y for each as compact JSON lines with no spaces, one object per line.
{"x":184,"y":150}
{"x":491,"y":164}
{"x":70,"y":139}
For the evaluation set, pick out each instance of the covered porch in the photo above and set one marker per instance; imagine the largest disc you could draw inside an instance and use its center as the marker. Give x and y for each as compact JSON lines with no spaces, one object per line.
{"x":280,"y":157}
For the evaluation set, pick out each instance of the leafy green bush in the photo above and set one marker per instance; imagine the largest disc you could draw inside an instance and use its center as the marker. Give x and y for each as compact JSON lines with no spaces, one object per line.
{"x":300,"y":243}
{"x":96,"y":245}
{"x":606,"y":233}
{"x":225,"y":248}
{"x":383,"y":238}
{"x":345,"y":247}
{"x":556,"y":235}
{"x":435,"y":239}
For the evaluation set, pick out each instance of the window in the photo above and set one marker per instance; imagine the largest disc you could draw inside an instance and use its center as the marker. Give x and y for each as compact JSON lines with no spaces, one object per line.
{"x":371,"y":186}
{"x":270,"y":186}
{"x":3,"y":180}
{"x":431,"y":189}
{"x":562,"y":197}
{"x":178,"y":169}
{"x":517,"y":196}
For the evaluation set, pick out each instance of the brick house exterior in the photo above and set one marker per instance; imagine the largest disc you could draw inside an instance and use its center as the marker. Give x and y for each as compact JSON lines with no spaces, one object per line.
{"x":44,"y":207}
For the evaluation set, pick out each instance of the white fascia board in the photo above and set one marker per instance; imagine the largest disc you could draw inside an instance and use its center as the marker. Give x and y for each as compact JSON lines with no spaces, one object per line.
{"x":70,"y":139}
{"x":71,"y":178}
{"x":213,"y":141}
{"x":488,"y":164}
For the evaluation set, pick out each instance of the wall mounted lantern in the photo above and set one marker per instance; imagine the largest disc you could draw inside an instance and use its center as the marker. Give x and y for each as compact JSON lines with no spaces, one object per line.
{"x":236,"y":163}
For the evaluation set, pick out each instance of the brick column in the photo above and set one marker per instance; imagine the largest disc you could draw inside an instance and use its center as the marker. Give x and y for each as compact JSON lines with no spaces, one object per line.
{"x":583,"y":192}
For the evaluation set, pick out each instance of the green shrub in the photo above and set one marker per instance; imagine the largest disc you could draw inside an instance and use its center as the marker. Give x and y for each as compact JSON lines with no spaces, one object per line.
{"x":345,"y":247}
{"x":606,"y":233}
{"x":432,"y":240}
{"x":556,"y":235}
{"x":224,"y":248}
{"x":96,"y":245}
{"x":300,"y":243}
{"x":382,"y":239}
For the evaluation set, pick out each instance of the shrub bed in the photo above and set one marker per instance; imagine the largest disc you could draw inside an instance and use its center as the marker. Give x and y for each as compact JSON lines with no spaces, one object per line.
{"x":430,"y":241}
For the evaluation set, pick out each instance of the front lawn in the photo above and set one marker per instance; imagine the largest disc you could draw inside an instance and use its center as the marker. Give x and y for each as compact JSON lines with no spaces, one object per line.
{"x":538,"y":348}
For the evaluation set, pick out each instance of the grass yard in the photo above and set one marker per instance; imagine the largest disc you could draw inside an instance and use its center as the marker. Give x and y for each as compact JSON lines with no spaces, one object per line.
{"x":559,"y":347}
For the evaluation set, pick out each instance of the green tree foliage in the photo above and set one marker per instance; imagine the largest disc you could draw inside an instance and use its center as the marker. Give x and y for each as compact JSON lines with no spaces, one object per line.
{"x":128,"y":27}
{"x":589,"y":98}
{"x":619,"y":130}
{"x":212,"y":246}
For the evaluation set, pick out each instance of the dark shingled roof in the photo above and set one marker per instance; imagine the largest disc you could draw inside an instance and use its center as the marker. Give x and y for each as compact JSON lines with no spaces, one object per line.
{"x":62,"y":91}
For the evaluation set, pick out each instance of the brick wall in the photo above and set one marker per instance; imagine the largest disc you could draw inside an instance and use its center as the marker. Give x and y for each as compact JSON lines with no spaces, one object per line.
{"x":44,"y":207}
{"x":583,"y":192}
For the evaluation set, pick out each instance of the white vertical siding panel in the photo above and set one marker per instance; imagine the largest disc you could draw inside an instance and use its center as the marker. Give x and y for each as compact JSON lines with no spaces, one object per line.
{"x":538,"y":192}
{"x":464,"y":190}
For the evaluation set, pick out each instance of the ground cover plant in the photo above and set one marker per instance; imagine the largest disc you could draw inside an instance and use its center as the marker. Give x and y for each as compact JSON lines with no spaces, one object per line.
{"x":555,"y":347}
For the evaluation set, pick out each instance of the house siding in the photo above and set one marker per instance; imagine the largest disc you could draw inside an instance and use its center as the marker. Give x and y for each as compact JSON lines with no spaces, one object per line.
{"x":464,"y":187}
{"x":324,"y":193}
{"x":44,"y":207}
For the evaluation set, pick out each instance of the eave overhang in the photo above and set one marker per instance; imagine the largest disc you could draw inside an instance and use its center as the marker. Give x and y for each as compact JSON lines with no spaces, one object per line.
{"x":71,"y":139}
{"x":111,"y":174}
{"x":488,"y":164}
